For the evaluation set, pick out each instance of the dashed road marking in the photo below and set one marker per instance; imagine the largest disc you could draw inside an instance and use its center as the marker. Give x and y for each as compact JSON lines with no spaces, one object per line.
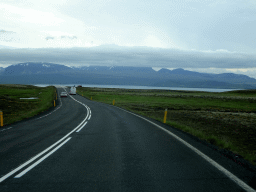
{"x":5,"y":129}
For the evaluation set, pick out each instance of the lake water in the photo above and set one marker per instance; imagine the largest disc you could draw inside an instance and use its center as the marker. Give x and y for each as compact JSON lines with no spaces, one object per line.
{"x":142,"y":87}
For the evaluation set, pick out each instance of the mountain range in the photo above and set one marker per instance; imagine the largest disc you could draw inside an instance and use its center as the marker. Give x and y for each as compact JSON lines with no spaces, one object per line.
{"x":49,"y":73}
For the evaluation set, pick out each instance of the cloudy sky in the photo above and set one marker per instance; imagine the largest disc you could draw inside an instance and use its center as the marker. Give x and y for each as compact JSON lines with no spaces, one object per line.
{"x":202,"y":35}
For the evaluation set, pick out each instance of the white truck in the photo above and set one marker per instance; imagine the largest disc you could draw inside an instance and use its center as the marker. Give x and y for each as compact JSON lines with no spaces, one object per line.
{"x":72,"y":91}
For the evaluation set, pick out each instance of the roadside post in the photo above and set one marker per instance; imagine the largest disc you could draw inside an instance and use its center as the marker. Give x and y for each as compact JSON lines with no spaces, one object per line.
{"x":1,"y":119}
{"x":114,"y":102}
{"x":91,"y":97}
{"x":165,"y":115}
{"x":54,"y":102}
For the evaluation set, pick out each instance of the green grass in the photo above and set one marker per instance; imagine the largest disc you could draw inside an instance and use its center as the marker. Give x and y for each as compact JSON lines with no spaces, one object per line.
{"x":225,"y":119}
{"x":15,"y":109}
{"x":202,"y":114}
{"x":177,"y":102}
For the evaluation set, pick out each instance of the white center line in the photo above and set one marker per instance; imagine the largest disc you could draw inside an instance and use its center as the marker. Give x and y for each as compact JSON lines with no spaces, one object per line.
{"x":40,"y":160}
{"x":82,"y":126}
{"x":40,"y":154}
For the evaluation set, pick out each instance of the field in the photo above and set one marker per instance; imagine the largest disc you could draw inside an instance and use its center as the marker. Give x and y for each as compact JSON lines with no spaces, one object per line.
{"x":227,"y":119}
{"x":15,"y":109}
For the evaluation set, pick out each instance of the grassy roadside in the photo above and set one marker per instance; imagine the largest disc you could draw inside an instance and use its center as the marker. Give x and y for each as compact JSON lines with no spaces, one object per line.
{"x":227,"y":119}
{"x":16,"y":109}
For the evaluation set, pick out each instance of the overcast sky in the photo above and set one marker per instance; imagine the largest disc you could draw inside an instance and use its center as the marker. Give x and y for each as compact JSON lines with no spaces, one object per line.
{"x":207,"y":35}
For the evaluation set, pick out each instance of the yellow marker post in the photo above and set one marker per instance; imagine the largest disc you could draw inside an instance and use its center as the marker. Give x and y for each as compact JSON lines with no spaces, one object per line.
{"x":1,"y":119}
{"x":91,"y":98}
{"x":82,"y":94}
{"x":165,"y":115}
{"x":114,"y":102}
{"x":54,"y":102}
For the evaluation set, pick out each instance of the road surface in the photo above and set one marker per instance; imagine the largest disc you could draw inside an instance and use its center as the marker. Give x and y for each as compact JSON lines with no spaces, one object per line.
{"x":84,"y":145}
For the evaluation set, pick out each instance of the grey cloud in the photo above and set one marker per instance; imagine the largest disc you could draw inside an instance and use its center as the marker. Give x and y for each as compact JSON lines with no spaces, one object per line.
{"x":4,"y":31}
{"x":49,"y":38}
{"x":132,"y":56}
{"x":69,"y":37}
{"x":7,"y":36}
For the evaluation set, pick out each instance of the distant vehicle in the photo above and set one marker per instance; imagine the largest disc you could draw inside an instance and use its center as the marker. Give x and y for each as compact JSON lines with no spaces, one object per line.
{"x":72,"y":91}
{"x":79,"y":86}
{"x":63,"y":94}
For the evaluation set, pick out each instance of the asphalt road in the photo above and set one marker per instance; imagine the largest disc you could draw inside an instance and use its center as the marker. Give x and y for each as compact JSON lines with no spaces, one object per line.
{"x":88,"y":146}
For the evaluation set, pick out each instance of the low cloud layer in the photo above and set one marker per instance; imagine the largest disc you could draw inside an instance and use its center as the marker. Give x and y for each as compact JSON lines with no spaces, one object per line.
{"x":131,"y":56}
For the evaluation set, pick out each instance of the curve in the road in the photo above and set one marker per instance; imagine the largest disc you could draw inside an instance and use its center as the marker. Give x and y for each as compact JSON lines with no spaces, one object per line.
{"x":238,"y":181}
{"x":79,"y":127}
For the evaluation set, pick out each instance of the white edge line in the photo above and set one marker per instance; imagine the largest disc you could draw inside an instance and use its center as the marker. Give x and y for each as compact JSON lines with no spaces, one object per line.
{"x":215,"y":164}
{"x":38,"y":155}
{"x":40,"y":160}
{"x":6,"y":129}
{"x":82,"y":127}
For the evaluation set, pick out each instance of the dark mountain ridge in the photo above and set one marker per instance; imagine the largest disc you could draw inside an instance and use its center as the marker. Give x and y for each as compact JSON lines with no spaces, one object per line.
{"x":48,"y":73}
{"x":34,"y":68}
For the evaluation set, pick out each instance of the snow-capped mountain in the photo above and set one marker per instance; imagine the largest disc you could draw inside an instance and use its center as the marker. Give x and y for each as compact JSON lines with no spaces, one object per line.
{"x":34,"y":68}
